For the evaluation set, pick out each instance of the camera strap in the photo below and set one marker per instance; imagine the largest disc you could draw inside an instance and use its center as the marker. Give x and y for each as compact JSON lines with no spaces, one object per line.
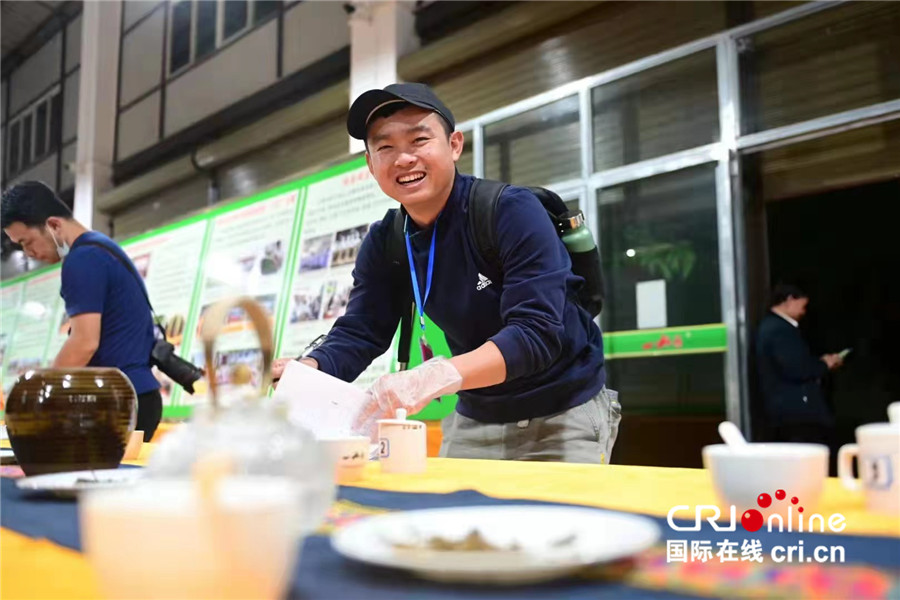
{"x":130,"y":268}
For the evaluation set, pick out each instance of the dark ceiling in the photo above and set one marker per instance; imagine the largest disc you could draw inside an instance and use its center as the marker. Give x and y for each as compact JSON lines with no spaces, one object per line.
{"x":28,"y":24}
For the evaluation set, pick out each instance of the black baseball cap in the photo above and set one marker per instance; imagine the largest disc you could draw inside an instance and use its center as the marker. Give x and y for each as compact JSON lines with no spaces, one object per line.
{"x":417,"y":94}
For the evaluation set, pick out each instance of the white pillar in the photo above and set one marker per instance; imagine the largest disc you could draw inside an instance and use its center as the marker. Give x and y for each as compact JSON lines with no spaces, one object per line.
{"x":380,"y":33}
{"x":100,"y":31}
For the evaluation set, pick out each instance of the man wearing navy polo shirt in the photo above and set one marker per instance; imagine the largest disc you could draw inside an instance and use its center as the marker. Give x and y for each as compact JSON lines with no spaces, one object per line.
{"x":527,"y":359}
{"x":110,"y":321}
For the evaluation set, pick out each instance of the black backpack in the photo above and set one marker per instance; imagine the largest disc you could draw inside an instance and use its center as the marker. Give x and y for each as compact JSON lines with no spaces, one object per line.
{"x":483,"y":198}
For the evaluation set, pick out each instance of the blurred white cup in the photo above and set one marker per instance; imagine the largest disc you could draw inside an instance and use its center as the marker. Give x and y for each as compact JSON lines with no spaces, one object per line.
{"x":877,"y":450}
{"x":740,"y":476}
{"x":162,"y":539}
{"x":350,"y":456}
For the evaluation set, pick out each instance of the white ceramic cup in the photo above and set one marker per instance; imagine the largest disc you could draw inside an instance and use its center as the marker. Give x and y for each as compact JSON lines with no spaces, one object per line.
{"x":401,"y":445}
{"x":740,"y":475}
{"x":350,"y":456}
{"x":133,"y":447}
{"x":162,"y":539}
{"x":877,"y":450}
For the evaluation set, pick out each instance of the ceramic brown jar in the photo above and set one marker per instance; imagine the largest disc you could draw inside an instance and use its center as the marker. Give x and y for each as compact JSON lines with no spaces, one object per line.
{"x":70,"y":419}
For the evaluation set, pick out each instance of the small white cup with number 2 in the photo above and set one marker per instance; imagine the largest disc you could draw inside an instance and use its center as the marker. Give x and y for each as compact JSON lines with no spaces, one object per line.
{"x":401,"y":444}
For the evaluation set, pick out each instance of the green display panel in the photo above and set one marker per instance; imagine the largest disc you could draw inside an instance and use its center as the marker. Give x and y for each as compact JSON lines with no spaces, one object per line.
{"x":694,"y":339}
{"x":340,"y":205}
{"x":10,"y":297}
{"x":33,"y":320}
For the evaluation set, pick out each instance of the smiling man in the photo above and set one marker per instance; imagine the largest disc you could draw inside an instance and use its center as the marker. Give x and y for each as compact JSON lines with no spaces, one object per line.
{"x":527,"y":359}
{"x":110,"y":323}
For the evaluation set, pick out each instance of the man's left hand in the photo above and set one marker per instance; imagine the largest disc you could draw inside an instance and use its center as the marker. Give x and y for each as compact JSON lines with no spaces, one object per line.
{"x":411,"y":390}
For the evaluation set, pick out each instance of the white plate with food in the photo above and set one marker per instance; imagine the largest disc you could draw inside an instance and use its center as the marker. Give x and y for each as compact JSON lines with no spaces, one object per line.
{"x":68,"y":484}
{"x":496,"y":544}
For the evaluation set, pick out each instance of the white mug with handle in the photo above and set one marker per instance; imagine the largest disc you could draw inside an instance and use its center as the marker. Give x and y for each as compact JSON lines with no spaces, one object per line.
{"x":878,"y":456}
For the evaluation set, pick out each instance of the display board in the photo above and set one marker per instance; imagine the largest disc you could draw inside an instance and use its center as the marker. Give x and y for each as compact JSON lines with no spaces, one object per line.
{"x":338,"y":211}
{"x":35,"y":321}
{"x":292,"y":249}
{"x":168,"y":261}
{"x":10,"y":295}
{"x":247,"y":254}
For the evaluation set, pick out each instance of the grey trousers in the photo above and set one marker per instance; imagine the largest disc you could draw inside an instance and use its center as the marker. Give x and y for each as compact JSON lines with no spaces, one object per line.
{"x":584,"y":434}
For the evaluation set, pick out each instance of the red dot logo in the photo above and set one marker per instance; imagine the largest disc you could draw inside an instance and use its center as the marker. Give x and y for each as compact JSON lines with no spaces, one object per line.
{"x":800,"y":509}
{"x":780,"y":494}
{"x":752,"y":520}
{"x":764,"y":500}
{"x":795,"y":500}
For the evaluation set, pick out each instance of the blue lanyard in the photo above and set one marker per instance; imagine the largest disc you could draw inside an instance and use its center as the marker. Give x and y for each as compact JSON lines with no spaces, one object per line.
{"x":420,"y":303}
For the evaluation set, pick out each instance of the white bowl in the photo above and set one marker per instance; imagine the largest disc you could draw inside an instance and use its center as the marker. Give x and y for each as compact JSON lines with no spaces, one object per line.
{"x":740,"y":476}
{"x":349,"y":454}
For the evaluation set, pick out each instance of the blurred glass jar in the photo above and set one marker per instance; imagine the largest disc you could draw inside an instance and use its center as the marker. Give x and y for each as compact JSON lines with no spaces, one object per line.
{"x":252,"y":436}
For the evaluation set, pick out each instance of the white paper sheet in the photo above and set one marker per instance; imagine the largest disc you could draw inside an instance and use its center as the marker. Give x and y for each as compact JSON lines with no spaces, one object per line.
{"x":323,"y":404}
{"x":651,"y":304}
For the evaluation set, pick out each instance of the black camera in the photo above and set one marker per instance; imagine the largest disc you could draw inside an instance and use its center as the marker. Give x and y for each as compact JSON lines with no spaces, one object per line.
{"x":182,"y":372}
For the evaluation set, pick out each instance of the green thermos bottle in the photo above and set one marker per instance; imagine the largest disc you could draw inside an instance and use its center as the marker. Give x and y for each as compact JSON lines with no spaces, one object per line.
{"x":585,"y":255}
{"x":575,"y":234}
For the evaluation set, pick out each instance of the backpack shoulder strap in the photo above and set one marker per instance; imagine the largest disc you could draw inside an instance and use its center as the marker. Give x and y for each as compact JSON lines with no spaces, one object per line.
{"x":395,"y":252}
{"x":394,"y":249}
{"x":484,"y":196}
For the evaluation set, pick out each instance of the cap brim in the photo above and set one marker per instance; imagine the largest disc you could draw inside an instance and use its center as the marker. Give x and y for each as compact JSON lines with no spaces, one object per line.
{"x":366,"y":104}
{"x":362,"y":107}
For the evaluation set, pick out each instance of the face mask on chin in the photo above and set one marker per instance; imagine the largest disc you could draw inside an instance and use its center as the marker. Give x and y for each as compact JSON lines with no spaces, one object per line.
{"x":61,"y":249}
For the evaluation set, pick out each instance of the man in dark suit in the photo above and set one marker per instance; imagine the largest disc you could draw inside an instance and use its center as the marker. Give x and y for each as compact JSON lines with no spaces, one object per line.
{"x":790,"y":375}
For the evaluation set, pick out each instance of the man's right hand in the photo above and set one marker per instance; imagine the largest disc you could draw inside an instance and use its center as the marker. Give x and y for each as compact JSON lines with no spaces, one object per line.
{"x":279,"y":364}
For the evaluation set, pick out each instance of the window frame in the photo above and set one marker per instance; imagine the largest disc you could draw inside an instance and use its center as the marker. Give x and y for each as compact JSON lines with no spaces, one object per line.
{"x":10,"y":128}
{"x":221,"y":41}
{"x":50,"y":144}
{"x":38,"y":145}
{"x":220,"y":22}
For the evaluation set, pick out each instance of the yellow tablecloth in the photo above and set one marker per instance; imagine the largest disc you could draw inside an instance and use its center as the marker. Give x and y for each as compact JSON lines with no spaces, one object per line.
{"x":38,"y":569}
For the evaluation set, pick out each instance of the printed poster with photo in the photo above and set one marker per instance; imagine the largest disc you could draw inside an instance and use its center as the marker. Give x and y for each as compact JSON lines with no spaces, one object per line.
{"x":10,"y":295}
{"x":35,"y":320}
{"x":338,"y":212}
{"x":247,"y":255}
{"x":168,"y":262}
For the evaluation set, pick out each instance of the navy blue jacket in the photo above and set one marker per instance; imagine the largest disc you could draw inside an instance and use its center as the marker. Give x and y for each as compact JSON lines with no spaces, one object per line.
{"x":790,"y":375}
{"x":552,"y":348}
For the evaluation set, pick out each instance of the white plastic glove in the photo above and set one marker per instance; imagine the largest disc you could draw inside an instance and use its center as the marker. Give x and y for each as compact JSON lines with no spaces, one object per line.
{"x":411,"y":390}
